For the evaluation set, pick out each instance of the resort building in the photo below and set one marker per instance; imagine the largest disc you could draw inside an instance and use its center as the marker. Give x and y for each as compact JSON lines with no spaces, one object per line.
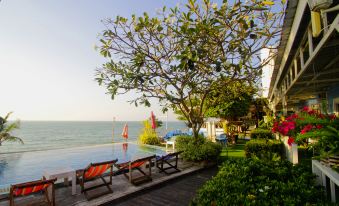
{"x":306,"y":69}
{"x":267,"y":70}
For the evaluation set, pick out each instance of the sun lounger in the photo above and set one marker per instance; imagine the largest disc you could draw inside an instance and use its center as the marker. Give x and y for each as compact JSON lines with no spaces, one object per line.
{"x":29,"y":188}
{"x":127,"y":169}
{"x":93,"y":172}
{"x":167,"y":160}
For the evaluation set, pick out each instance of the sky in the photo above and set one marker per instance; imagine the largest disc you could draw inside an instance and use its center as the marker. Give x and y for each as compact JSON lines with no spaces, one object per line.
{"x":48,"y":60}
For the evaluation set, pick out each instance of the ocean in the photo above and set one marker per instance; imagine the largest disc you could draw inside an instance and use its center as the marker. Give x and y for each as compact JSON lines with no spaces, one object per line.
{"x":46,"y":135}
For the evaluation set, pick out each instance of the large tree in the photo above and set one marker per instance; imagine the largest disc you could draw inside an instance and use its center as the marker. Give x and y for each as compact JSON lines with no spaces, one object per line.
{"x":176,"y":56}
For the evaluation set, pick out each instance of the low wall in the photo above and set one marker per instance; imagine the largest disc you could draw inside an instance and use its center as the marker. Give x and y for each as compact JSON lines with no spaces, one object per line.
{"x":291,"y":152}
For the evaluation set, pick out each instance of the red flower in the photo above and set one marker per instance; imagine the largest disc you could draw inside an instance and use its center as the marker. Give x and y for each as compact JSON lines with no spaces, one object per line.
{"x":332,"y":116}
{"x":290,"y":141}
{"x":306,"y":109}
{"x":321,"y":116}
{"x":319,"y":126}
{"x":307,"y":128}
{"x":292,"y":117}
{"x":275,"y":127}
{"x":311,"y":112}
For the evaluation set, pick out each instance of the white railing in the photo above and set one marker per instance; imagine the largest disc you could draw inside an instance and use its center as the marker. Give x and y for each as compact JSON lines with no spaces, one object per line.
{"x":323,"y":173}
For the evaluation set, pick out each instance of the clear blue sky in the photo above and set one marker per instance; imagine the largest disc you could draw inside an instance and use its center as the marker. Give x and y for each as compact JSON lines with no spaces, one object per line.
{"x":48,"y":61}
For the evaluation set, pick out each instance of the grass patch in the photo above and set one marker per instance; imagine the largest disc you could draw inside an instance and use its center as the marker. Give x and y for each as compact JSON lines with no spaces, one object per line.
{"x":234,"y":151}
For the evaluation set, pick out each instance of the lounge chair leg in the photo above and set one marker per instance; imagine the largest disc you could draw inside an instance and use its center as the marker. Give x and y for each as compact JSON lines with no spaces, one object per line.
{"x":11,"y":200}
{"x":107,"y":184}
{"x":53,"y":195}
{"x":46,"y":195}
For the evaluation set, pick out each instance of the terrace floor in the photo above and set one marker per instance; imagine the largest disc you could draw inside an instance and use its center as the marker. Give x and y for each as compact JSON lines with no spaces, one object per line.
{"x":120,"y":186}
{"x":176,"y":192}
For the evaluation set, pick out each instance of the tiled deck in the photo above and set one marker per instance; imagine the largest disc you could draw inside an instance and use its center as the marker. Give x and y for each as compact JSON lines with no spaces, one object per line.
{"x":121,"y":188}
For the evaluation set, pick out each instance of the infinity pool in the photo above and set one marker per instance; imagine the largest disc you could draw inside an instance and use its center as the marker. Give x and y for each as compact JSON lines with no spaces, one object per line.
{"x":28,"y":166}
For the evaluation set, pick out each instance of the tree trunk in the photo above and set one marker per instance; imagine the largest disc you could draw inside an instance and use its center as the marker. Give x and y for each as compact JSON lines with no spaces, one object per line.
{"x":195,"y":129}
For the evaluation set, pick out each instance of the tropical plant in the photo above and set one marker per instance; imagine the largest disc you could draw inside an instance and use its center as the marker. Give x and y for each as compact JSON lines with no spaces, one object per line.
{"x":6,"y":128}
{"x":148,"y":135}
{"x":327,"y":143}
{"x":178,"y":56}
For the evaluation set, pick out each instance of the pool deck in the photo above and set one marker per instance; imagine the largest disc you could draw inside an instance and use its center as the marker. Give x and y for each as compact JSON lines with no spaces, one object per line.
{"x":120,"y":186}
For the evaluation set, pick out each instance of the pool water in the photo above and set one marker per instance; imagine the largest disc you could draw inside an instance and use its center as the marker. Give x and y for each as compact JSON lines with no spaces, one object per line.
{"x":29,"y":166}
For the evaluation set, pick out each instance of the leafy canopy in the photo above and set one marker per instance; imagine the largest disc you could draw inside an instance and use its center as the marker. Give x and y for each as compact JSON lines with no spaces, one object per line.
{"x":176,"y":56}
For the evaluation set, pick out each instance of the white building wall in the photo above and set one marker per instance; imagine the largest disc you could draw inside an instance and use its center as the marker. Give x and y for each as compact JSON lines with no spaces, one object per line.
{"x":267,"y":70}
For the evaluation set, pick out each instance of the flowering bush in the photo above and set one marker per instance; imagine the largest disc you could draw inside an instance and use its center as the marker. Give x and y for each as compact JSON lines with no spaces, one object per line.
{"x":307,"y":124}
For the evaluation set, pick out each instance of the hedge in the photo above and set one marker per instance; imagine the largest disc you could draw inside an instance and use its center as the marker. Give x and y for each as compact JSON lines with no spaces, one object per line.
{"x":260,"y":147}
{"x":197,"y":149}
{"x":259,"y":133}
{"x":249,"y":181}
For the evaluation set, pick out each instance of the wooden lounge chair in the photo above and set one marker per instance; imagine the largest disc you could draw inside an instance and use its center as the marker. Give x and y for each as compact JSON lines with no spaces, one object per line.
{"x":127,"y":169}
{"x":28,"y":188}
{"x":167,"y":160}
{"x":93,"y":172}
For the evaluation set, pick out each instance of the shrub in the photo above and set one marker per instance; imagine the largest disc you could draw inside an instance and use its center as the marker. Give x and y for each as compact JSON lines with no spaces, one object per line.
{"x":257,"y":182}
{"x":260,"y":147}
{"x":148,"y":135}
{"x":197,"y":149}
{"x":259,"y":133}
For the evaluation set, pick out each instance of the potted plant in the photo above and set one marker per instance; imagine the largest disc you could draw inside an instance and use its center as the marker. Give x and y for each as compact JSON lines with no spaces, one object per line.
{"x":314,"y":130}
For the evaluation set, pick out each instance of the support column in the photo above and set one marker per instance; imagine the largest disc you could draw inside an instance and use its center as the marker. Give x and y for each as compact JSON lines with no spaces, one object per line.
{"x":284,"y":105}
{"x":213,"y":132}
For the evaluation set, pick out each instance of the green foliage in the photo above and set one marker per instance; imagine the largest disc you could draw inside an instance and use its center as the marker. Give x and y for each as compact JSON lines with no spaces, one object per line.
{"x":261,"y":148}
{"x":259,"y":133}
{"x":197,"y":149}
{"x":327,"y":140}
{"x":148,"y":135}
{"x":178,"y":56}
{"x":6,"y":128}
{"x":230,"y":101}
{"x":268,"y":123}
{"x":260,"y":182}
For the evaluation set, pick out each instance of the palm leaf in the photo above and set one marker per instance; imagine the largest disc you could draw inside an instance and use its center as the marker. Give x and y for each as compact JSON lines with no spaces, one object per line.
{"x":11,"y":127}
{"x":10,"y":138}
{"x":7,"y":116}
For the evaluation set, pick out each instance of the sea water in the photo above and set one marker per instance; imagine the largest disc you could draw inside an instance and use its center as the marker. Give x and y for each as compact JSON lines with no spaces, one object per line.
{"x":45,"y":135}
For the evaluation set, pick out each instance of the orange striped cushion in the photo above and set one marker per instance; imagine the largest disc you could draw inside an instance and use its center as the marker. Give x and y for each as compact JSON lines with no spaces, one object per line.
{"x":137,"y":164}
{"x":95,"y":171}
{"x":29,"y":190}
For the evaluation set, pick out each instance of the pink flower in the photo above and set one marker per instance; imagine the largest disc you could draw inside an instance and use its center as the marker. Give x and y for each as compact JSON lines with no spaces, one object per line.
{"x":290,"y":141}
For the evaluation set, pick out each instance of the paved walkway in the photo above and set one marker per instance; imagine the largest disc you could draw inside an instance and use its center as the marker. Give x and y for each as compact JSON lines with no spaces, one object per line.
{"x":176,"y":192}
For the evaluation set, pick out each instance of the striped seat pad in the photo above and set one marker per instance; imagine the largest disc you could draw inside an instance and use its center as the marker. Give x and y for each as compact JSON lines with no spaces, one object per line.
{"x":95,"y":171}
{"x":31,"y":189}
{"x":133,"y":165}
